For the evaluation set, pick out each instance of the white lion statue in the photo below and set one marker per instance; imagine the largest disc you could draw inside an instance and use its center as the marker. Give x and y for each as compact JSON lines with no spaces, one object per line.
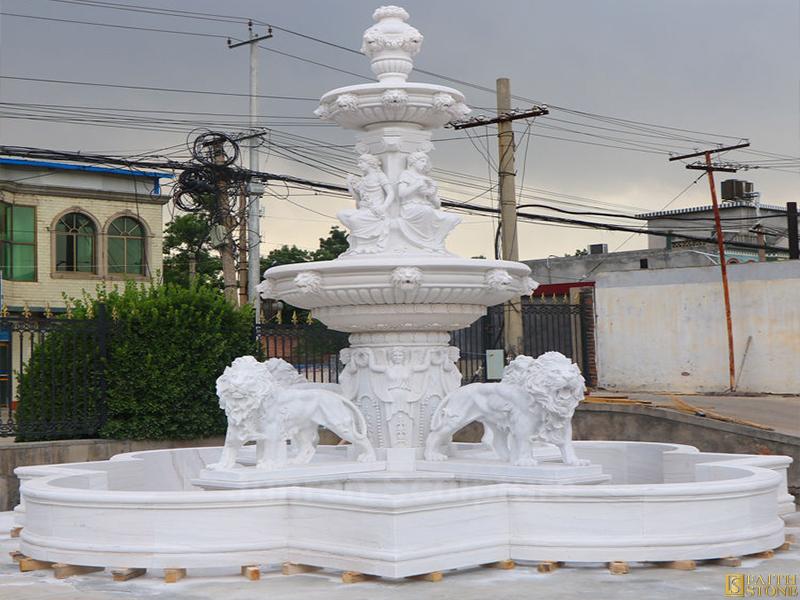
{"x":268,"y":403}
{"x":534,"y":401}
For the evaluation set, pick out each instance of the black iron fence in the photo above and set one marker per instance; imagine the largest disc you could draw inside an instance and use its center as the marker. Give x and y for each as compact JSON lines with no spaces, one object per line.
{"x":57,"y":389}
{"x":63,"y":384}
{"x":312,"y":348}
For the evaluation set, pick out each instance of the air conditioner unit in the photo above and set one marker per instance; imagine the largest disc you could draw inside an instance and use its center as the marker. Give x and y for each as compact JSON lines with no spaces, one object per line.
{"x":597,"y":248}
{"x":736,"y":189}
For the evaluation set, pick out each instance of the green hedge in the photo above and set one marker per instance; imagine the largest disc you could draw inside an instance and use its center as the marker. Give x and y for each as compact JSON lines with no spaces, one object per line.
{"x":166,"y":347}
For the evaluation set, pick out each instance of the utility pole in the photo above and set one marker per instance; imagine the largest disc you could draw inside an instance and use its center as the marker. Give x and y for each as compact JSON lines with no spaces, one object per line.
{"x":709,"y":168}
{"x":791,"y":222}
{"x":506,"y":173}
{"x":225,"y":244}
{"x":253,"y":190}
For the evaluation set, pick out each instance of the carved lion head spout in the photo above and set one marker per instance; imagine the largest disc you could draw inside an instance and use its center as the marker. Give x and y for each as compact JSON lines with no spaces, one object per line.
{"x":498,"y":279}
{"x":309,"y":282}
{"x":407,"y":278}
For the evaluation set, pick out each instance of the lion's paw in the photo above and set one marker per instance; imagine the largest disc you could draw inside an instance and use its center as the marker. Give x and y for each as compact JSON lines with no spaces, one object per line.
{"x":435,"y":456}
{"x":525,"y":462}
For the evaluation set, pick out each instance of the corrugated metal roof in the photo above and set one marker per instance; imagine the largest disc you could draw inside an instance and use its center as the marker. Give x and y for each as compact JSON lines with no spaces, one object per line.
{"x":722,"y":206}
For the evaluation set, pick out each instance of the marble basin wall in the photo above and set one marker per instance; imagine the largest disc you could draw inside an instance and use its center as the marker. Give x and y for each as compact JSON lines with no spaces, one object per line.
{"x":665,"y":502}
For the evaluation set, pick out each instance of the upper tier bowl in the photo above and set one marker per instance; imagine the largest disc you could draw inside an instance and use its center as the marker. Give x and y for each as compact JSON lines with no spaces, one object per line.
{"x":410,"y":293}
{"x":425,"y":105}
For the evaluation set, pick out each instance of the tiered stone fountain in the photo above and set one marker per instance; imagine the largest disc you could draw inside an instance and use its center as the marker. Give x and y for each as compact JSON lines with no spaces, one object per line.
{"x":397,"y":289}
{"x":384,"y":505}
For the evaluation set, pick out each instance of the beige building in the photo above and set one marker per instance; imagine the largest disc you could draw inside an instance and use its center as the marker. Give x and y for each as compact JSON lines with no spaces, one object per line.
{"x":66,"y":228}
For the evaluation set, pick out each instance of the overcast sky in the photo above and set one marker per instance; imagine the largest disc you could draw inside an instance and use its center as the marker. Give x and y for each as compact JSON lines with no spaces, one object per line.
{"x":725,"y":68}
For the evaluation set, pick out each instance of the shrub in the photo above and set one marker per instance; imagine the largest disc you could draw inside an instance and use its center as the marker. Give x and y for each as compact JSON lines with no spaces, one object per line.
{"x":165,"y":348}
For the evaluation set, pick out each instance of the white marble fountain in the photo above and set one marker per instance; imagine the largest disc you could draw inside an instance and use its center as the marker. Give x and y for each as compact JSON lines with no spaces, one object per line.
{"x":400,"y":498}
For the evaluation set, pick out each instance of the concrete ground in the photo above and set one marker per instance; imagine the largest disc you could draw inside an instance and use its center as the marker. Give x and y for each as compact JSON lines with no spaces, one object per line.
{"x":782,"y":413}
{"x":523,"y":583}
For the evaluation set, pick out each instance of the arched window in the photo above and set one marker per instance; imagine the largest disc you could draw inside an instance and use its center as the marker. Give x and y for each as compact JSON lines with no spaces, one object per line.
{"x":75,"y":244}
{"x":126,"y":246}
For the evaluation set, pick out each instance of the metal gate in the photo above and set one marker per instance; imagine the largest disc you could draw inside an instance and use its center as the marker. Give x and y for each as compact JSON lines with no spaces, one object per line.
{"x":547,"y":326}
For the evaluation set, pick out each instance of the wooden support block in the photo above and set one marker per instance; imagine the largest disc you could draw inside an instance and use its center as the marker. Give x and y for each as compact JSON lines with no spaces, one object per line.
{"x":126,"y":574}
{"x":355,"y":577}
{"x":289,"y":568}
{"x":252,"y":572}
{"x":548,"y":566}
{"x":764,"y":554}
{"x":679,"y":565}
{"x":729,"y":561}
{"x":784,"y":547}
{"x":31,"y":564}
{"x":433,"y":576}
{"x":174,"y":575}
{"x":14,"y":533}
{"x":618,"y":567}
{"x":16,"y":555}
{"x":500,"y":564}
{"x":63,"y":570}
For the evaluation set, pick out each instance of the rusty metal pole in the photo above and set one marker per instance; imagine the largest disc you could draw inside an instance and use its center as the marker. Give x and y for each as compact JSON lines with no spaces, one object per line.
{"x":724,"y":269}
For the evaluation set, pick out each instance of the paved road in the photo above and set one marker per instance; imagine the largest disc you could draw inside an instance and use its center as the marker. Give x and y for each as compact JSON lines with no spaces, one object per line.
{"x":782,"y":413}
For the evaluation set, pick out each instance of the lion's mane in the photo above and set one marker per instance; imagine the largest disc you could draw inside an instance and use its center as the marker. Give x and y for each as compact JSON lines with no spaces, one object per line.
{"x":252,"y":380}
{"x":284,"y":373}
{"x":554,"y":384}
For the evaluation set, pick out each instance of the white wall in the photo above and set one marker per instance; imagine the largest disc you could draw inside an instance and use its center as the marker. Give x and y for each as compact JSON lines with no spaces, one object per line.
{"x":664,"y":330}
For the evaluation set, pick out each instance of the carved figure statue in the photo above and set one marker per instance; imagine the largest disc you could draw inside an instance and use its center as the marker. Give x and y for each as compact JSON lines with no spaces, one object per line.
{"x":397,"y":384}
{"x":368,"y":222}
{"x":534,"y":401}
{"x":421,"y":221}
{"x":267,"y":404}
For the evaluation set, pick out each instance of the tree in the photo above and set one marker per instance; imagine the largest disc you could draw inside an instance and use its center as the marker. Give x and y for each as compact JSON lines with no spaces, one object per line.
{"x":331,"y":246}
{"x":285,"y":255}
{"x":187,"y":254}
{"x":166,"y":346}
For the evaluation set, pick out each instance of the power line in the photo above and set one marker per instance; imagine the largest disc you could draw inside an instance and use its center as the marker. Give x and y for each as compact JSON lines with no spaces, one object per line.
{"x":627,"y":123}
{"x":153,"y":88}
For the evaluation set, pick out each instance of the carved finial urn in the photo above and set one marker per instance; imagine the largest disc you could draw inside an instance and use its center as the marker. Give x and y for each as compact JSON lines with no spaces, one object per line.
{"x":391,"y":44}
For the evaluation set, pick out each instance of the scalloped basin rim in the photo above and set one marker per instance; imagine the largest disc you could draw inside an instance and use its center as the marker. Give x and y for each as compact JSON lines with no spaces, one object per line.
{"x":389,"y":263}
{"x":377,"y":87}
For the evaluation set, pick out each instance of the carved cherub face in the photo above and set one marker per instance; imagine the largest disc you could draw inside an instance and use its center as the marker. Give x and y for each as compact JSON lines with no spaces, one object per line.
{"x":419,"y":161}
{"x":397,"y":356}
{"x":368,"y":163}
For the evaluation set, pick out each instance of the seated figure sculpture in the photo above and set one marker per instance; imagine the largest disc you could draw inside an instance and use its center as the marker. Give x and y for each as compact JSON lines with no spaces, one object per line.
{"x":422,"y":223}
{"x":267,"y":404}
{"x":368,"y":222}
{"x":534,"y":401}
